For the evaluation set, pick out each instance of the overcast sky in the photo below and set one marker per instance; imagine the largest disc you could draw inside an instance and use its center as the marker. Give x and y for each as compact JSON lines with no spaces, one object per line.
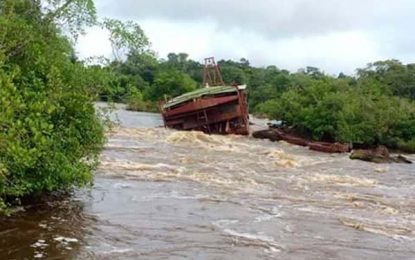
{"x":334,"y":35}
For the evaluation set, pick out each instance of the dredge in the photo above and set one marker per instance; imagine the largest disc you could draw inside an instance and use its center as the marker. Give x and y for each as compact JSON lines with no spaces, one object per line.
{"x":214,"y":109}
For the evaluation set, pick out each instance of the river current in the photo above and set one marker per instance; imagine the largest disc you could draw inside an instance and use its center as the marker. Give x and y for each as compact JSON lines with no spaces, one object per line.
{"x":165,"y":194}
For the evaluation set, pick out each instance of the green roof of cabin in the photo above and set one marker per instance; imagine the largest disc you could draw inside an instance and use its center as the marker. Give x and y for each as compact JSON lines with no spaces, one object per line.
{"x":199,"y":93}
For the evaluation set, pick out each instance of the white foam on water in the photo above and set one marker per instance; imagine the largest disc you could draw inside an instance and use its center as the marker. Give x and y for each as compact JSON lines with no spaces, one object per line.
{"x":283,"y":159}
{"x":222,"y":223}
{"x":204,"y":141}
{"x":122,"y":185}
{"x":269,"y":216}
{"x":176,"y":196}
{"x":43,"y":225}
{"x":115,"y":250}
{"x":397,"y":231}
{"x":342,"y":180}
{"x":255,"y":239}
{"x":40,"y":244}
{"x":250,"y":236}
{"x":272,"y":250}
{"x":134,"y":166}
{"x":65,"y":240}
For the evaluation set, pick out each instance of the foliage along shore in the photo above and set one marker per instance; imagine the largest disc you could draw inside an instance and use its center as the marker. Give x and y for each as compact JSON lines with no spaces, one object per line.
{"x":50,"y":132}
{"x":374,"y":107}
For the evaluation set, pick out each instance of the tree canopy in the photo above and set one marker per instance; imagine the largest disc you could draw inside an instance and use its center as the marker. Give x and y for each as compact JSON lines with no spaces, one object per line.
{"x":373,"y":107}
{"x":50,"y":134}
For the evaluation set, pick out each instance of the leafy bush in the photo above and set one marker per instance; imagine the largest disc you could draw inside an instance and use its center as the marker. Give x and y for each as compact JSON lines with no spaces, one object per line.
{"x":170,"y":83}
{"x":327,"y":108}
{"x":136,"y":103}
{"x":408,"y":146}
{"x":50,"y":134}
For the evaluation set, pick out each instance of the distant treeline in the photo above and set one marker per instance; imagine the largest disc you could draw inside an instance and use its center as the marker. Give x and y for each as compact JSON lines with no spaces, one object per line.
{"x":376,"y":106}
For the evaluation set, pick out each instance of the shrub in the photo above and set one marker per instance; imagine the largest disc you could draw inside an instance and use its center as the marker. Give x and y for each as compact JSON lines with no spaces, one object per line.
{"x":332,"y":109}
{"x":50,"y":134}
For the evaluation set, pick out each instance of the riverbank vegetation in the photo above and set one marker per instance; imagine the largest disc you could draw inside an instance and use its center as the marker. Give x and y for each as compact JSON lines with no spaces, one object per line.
{"x":50,"y":133}
{"x":375,"y":106}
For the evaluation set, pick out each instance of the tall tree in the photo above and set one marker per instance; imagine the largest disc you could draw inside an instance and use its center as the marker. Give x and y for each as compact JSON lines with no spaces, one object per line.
{"x":50,"y":134}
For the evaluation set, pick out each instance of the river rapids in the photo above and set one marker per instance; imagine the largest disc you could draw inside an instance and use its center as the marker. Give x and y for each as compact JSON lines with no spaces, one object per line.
{"x":165,"y":194}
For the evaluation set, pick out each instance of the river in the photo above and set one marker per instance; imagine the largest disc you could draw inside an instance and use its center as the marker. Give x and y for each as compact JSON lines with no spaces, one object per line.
{"x":165,"y":194}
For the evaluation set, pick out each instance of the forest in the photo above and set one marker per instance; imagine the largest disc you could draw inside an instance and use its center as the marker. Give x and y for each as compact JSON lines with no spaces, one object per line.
{"x":51,"y":135}
{"x":375,"y":106}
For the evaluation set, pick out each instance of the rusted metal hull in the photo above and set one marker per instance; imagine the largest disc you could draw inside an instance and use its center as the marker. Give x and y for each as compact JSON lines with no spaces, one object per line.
{"x":217,"y":114}
{"x":277,"y":134}
{"x":291,"y":138}
{"x":329,"y":147}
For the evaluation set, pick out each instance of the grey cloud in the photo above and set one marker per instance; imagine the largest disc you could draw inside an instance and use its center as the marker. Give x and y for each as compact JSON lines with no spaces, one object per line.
{"x":272,"y":18}
{"x":290,"y":33}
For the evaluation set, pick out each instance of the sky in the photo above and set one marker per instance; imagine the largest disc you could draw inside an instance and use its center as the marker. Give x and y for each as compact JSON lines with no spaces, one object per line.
{"x":334,"y":35}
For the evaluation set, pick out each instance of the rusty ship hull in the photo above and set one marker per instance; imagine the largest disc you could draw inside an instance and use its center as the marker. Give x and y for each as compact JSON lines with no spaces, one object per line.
{"x":213,"y":110}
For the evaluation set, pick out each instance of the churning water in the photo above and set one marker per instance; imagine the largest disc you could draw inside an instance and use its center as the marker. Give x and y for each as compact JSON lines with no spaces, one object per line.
{"x":164,"y":194}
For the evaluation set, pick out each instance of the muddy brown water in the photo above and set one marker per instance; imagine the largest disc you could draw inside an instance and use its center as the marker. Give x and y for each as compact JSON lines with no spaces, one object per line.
{"x":164,"y":194}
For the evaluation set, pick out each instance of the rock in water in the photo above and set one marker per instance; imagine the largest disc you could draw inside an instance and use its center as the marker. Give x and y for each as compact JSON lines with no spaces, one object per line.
{"x":378,"y":155}
{"x":368,"y":156}
{"x":267,"y":134}
{"x":402,"y":159}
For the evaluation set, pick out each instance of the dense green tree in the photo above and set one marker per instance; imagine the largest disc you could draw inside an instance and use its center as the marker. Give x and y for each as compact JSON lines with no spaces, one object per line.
{"x":50,"y":133}
{"x":392,"y":76}
{"x":126,"y":37}
{"x":233,"y":75}
{"x":234,"y":72}
{"x":181,"y":62}
{"x":362,"y":111}
{"x":170,"y":83}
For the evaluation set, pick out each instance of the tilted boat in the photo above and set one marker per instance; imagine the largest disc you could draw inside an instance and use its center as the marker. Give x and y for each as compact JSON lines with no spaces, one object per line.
{"x":214,"y":109}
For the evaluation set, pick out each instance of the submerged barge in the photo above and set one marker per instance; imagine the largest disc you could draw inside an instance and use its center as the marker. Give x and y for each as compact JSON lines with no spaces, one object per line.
{"x":214,"y":109}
